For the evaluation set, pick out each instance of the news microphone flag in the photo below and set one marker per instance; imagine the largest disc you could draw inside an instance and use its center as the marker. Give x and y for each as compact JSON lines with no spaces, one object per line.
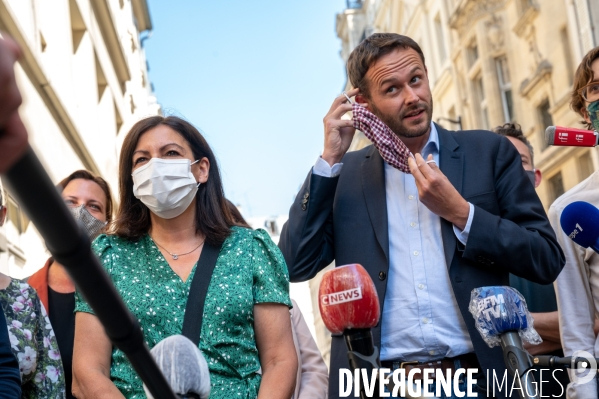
{"x":348,"y":299}
{"x":570,"y":137}
{"x":498,"y":310}
{"x":580,"y":221}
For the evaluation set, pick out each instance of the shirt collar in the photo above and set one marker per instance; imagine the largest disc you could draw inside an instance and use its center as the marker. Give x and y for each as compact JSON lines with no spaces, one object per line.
{"x":432,"y":145}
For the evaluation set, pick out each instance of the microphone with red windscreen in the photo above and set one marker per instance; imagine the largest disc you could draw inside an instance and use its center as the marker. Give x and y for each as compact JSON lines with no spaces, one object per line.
{"x":570,"y":137}
{"x":349,"y":304}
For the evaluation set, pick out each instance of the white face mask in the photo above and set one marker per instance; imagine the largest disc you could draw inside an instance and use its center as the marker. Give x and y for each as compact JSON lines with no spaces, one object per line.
{"x":165,"y":186}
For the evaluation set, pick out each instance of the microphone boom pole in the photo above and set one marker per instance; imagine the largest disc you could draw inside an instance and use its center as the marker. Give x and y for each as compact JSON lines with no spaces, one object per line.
{"x":28,"y":181}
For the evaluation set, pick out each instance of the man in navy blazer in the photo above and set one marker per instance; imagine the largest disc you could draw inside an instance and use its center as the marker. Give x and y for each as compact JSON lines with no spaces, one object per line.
{"x":427,"y":238}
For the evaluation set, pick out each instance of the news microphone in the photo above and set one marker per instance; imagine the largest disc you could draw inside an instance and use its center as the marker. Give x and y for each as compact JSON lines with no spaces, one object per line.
{"x":349,"y":304}
{"x":502,"y":318}
{"x":570,"y":137}
{"x":184,"y":367}
{"x":580,"y":221}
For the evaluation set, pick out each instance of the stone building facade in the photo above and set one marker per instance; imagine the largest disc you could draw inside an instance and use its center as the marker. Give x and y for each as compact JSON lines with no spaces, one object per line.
{"x":84,"y":80}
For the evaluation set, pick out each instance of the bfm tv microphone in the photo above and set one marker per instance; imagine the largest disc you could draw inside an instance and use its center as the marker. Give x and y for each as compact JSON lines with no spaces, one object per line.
{"x":580,"y":221}
{"x":570,"y":137}
{"x":501,"y":317}
{"x":184,"y":367}
{"x":349,"y":304}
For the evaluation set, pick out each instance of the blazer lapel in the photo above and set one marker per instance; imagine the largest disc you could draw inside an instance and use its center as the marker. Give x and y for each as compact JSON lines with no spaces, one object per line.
{"x":451,"y":163}
{"x":373,"y":184}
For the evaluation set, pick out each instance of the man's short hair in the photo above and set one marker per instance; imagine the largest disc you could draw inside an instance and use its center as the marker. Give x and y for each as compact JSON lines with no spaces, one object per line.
{"x":370,"y":50}
{"x":514,"y":130}
{"x":583,"y":75}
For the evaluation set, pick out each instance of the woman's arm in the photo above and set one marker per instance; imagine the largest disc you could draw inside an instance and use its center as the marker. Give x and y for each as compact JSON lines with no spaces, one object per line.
{"x":91,"y":360}
{"x":272,"y":325}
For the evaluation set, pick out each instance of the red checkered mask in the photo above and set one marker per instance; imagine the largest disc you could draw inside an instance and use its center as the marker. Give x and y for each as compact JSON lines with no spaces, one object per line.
{"x":391,"y":148}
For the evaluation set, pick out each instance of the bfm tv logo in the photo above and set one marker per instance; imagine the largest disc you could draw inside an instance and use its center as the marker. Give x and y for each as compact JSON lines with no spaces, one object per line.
{"x":492,"y":306}
{"x":335,"y":298}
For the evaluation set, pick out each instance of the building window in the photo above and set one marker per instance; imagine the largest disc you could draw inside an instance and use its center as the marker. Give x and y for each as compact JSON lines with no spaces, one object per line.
{"x":77,"y":25}
{"x":505,"y":88}
{"x":440,"y":39}
{"x":472,"y":53}
{"x":545,"y":120}
{"x":480,"y":95}
{"x":556,"y":185}
{"x":16,"y":216}
{"x":567,"y":54}
{"x":524,"y":5}
{"x":585,"y":166}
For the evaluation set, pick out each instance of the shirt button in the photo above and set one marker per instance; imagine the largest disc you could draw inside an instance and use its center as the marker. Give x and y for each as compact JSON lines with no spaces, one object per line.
{"x":431,"y":352}
{"x":425,"y":320}
{"x":420,"y":286}
{"x":416,"y":253}
{"x":413,"y":224}
{"x":411,"y":197}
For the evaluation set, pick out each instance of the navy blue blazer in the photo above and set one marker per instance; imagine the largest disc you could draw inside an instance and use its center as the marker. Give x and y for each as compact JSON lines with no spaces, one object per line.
{"x":10,"y":376}
{"x":345,"y":219}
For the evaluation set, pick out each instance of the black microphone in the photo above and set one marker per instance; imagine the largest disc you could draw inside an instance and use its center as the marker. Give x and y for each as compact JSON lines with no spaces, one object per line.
{"x":570,"y":137}
{"x":501,"y":316}
{"x":184,"y":367}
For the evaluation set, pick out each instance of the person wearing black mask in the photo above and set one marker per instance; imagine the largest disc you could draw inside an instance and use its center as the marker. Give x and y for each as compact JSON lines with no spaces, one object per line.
{"x":540,"y":299}
{"x":90,"y":201}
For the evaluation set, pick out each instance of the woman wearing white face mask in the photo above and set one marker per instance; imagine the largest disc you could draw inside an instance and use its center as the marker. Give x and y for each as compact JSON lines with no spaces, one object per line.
{"x":172,"y":207}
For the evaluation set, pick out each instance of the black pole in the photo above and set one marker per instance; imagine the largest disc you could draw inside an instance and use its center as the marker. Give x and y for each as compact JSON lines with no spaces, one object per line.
{"x":29,"y":183}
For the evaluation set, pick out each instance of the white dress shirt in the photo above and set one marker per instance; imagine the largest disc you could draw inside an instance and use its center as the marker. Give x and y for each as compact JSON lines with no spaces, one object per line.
{"x":421,"y":319}
{"x":577,"y":286}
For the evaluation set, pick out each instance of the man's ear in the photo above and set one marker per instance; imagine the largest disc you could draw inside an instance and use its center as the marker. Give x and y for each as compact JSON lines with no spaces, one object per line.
{"x":362,"y":100}
{"x":538,"y":177}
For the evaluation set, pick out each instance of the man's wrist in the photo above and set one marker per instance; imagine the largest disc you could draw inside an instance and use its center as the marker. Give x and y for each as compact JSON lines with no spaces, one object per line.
{"x":462,"y":215}
{"x":330,"y":159}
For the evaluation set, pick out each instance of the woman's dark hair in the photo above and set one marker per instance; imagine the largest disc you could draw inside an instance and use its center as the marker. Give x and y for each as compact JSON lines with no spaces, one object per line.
{"x":87,"y":175}
{"x":239,"y":220}
{"x":213,"y":217}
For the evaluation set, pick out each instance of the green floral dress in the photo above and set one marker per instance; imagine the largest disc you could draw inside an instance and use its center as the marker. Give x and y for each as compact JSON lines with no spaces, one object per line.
{"x":33,"y":342}
{"x":250,"y":269}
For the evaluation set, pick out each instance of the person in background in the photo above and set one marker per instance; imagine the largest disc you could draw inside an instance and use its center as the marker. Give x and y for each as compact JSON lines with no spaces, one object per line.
{"x":90,"y":201}
{"x":312,"y":378}
{"x":32,"y":339}
{"x":540,"y":299}
{"x":10,"y":378}
{"x":161,"y":228}
{"x":577,"y":287}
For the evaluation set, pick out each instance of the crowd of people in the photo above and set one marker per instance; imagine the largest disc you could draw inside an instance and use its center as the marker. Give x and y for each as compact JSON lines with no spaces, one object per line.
{"x":430,"y":213}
